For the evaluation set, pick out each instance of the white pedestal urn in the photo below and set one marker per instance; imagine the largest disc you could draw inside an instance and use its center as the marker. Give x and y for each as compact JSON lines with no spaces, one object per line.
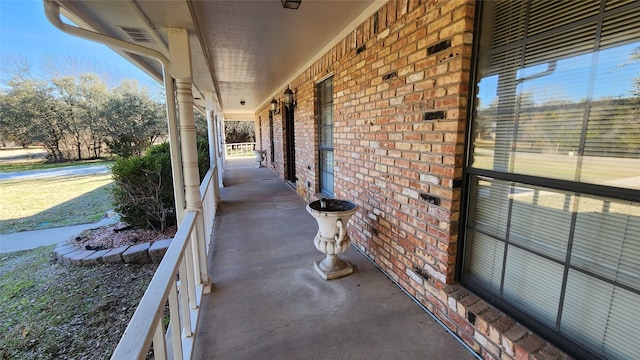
{"x":260,"y":155}
{"x":332,"y":239}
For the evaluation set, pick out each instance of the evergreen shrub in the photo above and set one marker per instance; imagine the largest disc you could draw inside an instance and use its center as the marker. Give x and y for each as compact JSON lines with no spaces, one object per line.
{"x":143,"y":191}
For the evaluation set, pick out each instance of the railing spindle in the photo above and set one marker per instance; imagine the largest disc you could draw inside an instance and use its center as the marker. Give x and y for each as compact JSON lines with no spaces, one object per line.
{"x":174,"y":313}
{"x":240,"y":149}
{"x":185,"y":294}
{"x":184,"y":260}
{"x":190,"y":283}
{"x":159,"y":342}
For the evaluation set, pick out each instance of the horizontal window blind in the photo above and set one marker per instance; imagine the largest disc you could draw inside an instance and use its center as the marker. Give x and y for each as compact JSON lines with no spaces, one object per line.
{"x":533,"y":284}
{"x":486,"y":264}
{"x":620,"y":29}
{"x":543,"y":17}
{"x":540,"y":222}
{"x":558,"y":103}
{"x":563,"y":103}
{"x":492,"y":204}
{"x":325,"y":138}
{"x":560,"y":45}
{"x":607,"y":243}
{"x":611,"y":333}
{"x":615,"y":4}
{"x":508,"y":26}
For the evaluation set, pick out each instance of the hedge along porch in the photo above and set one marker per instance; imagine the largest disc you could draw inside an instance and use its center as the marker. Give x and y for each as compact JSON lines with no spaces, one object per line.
{"x":391,"y":138}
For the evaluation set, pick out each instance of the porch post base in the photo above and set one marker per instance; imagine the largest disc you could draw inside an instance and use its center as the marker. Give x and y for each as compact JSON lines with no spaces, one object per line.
{"x":208,"y":286}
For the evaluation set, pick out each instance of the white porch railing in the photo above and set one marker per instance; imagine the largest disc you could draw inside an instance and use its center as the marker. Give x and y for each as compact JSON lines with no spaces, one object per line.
{"x":209,"y":202}
{"x":240,"y":149}
{"x":177,"y":281}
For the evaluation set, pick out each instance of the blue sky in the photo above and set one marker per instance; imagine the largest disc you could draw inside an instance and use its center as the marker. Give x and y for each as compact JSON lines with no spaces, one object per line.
{"x":26,"y":33}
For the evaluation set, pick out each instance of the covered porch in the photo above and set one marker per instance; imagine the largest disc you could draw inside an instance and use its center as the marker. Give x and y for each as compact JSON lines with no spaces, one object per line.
{"x":382,"y":103}
{"x":269,"y":303}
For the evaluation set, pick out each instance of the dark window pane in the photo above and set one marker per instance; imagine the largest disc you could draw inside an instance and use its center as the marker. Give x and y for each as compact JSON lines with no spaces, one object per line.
{"x":325,"y":135}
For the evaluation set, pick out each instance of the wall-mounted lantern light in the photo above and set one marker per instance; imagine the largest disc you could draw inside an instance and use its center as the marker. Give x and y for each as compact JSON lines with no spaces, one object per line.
{"x":273,"y":107}
{"x":291,"y":4}
{"x":289,"y":101}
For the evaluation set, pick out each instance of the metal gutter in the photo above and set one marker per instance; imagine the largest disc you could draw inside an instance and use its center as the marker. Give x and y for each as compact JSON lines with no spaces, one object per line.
{"x":52,"y":11}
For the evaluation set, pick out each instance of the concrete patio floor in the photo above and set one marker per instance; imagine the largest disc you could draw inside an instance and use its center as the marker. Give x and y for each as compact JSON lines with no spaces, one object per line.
{"x":269,"y":303}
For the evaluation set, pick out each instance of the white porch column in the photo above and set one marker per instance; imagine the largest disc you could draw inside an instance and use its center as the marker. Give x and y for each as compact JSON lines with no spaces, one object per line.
{"x":180,"y":55}
{"x":223,"y":147}
{"x":219,"y":124}
{"x":213,"y":140}
{"x":174,"y":147}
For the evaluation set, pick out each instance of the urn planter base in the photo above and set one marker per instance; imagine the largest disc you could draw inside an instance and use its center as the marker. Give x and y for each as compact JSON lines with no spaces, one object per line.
{"x":332,"y":267}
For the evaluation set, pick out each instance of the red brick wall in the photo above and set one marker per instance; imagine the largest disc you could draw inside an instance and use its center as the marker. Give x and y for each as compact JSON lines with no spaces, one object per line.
{"x":387,"y":155}
{"x":262,"y":123}
{"x":401,"y":84}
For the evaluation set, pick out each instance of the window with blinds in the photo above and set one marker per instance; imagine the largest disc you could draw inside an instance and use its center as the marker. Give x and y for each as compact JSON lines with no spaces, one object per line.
{"x":325,"y":136}
{"x":553,"y":217}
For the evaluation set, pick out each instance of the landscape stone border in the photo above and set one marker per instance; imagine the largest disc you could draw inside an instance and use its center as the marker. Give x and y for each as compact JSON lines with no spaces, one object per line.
{"x":144,"y":253}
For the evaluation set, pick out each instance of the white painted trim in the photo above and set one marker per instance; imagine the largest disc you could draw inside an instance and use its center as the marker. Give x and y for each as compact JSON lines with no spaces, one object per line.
{"x":324,"y":78}
{"x":237,"y":116}
{"x":52,"y":11}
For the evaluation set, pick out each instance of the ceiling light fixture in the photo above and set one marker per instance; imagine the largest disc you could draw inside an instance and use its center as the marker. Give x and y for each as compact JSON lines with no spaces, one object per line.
{"x":291,"y":4}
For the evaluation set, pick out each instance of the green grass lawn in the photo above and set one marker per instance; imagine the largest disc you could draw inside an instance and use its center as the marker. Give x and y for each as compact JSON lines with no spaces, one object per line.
{"x":52,"y":311}
{"x":34,"y":204}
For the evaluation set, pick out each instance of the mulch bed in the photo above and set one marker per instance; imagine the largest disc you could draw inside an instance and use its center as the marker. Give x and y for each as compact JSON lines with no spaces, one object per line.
{"x":119,"y":234}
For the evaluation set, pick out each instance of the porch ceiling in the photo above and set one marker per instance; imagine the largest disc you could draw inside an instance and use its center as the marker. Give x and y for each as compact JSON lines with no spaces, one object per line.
{"x":241,"y":50}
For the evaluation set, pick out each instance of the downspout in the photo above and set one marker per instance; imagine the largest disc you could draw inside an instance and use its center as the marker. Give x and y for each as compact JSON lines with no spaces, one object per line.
{"x":52,"y":11}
